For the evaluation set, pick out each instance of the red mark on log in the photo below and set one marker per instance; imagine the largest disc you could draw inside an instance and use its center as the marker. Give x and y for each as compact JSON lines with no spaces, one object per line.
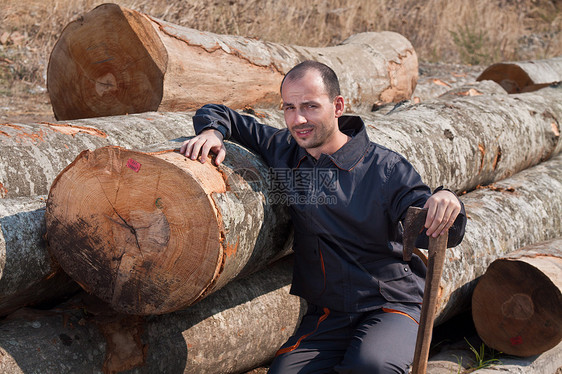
{"x":133,"y":165}
{"x":516,"y":340}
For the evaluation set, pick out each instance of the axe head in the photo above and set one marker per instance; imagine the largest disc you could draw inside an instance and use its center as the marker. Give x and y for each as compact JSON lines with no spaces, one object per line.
{"x":413,"y":225}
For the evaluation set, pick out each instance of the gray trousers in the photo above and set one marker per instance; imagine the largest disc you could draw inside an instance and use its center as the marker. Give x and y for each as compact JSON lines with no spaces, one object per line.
{"x":379,"y":341}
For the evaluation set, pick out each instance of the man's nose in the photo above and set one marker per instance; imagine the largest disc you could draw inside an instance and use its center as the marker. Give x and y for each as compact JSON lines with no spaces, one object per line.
{"x":299,"y":118}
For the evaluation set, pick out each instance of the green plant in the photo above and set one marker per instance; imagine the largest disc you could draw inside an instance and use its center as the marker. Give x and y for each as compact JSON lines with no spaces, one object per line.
{"x":484,"y":357}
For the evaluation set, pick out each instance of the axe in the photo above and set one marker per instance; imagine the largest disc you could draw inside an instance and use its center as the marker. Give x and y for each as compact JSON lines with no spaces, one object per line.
{"x":413,"y":226}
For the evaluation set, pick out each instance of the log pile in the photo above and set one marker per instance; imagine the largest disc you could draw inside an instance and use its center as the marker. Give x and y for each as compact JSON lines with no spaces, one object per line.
{"x":207,"y":336}
{"x":192,"y":251}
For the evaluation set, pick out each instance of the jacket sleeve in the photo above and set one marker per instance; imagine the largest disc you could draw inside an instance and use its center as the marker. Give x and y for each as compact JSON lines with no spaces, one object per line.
{"x":242,"y":129}
{"x":405,"y":188}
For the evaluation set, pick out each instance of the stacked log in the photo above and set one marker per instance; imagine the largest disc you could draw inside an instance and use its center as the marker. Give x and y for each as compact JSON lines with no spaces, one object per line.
{"x":516,"y":303}
{"x":218,"y":335}
{"x":114,"y":61}
{"x":28,"y":274}
{"x":524,"y":76}
{"x":480,"y":143}
{"x":209,"y":336}
{"x":34,"y":154}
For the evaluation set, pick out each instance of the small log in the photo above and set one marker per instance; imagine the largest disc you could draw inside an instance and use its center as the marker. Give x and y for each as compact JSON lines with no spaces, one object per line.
{"x":524,"y":76}
{"x":33,"y":154}
{"x":517,"y":302}
{"x":115,"y":61}
{"x":28,"y":274}
{"x":152,"y":234}
{"x":236,"y":329}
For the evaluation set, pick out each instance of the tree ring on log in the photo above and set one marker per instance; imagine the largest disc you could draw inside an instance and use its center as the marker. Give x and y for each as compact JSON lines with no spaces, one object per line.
{"x":131,"y":226}
{"x":121,"y":74}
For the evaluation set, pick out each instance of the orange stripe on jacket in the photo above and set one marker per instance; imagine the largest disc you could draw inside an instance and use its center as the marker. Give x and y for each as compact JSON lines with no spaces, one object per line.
{"x":296,"y":345}
{"x":388,"y":310}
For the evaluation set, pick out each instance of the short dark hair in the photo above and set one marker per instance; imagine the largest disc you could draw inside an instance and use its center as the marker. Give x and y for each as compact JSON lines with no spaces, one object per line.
{"x":329,"y":77}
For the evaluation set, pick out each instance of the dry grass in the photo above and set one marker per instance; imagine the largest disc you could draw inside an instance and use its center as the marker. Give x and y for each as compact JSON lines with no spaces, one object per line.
{"x":451,"y":31}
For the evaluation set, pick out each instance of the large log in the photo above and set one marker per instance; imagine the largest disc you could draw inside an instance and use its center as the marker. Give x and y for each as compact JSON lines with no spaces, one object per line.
{"x":28,"y":274}
{"x":33,"y":154}
{"x":524,"y":76}
{"x":152,"y":234}
{"x":516,"y":304}
{"x":234,"y":330}
{"x":114,"y":61}
{"x":503,"y":217}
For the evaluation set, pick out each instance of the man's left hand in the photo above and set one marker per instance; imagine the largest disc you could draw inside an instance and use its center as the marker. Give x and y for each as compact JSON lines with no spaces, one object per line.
{"x":443,"y":207}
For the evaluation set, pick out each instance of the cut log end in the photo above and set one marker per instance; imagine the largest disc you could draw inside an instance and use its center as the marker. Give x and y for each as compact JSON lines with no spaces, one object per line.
{"x":139,"y":230}
{"x":516,"y":308}
{"x":122,"y":74}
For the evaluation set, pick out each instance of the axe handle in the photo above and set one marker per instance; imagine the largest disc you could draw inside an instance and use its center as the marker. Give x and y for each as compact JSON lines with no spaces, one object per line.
{"x":436,"y":260}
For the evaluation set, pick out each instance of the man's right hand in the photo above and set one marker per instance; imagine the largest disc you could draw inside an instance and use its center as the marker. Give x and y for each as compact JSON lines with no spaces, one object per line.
{"x":202,"y":144}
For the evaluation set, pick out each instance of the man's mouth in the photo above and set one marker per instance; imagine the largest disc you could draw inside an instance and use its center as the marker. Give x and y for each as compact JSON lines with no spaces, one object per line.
{"x":303,"y":132}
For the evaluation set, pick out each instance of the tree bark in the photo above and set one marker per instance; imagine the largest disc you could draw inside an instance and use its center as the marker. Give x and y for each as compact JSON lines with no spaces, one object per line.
{"x":232,"y":331}
{"x":524,"y":76}
{"x":503,"y":217}
{"x":152,"y":234}
{"x":34,"y":154}
{"x":516,"y":304}
{"x":28,"y":274}
{"x":114,"y":61}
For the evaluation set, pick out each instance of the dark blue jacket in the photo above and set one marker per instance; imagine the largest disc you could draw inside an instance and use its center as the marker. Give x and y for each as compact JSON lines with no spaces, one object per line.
{"x":346,"y":210}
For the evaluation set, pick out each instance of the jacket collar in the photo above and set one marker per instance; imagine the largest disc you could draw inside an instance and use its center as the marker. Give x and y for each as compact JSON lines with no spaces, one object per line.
{"x":351,"y":152}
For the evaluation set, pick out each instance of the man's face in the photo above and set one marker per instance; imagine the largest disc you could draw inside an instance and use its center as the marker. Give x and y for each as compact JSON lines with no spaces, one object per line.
{"x":311,"y":116}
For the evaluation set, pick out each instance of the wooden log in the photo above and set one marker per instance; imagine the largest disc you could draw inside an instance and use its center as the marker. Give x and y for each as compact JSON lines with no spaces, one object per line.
{"x":154,"y":233}
{"x":28,"y":274}
{"x":517,"y":302}
{"x":524,"y":76}
{"x":115,"y":61}
{"x":32,"y":155}
{"x":502,"y":217}
{"x":232,"y":331}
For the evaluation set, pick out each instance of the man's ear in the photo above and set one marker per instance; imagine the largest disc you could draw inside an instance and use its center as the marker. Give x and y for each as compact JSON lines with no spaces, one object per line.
{"x":339,"y":105}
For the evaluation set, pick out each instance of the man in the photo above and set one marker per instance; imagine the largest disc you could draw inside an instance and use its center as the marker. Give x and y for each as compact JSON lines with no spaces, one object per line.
{"x":364,"y":302}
